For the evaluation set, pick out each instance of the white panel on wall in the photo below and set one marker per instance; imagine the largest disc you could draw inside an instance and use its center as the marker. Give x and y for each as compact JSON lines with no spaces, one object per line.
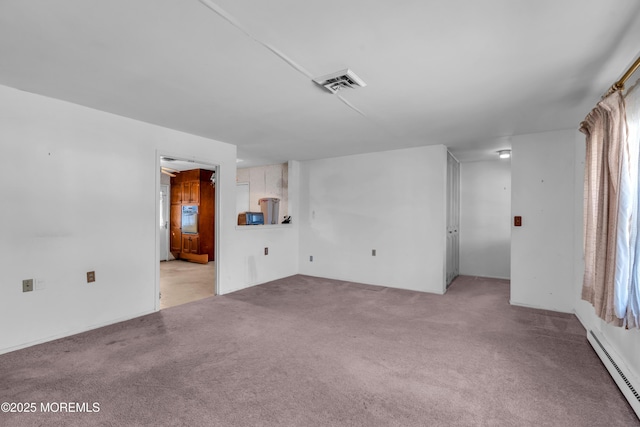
{"x":242,"y":197}
{"x":485,"y":240}
{"x":542,"y":178}
{"x":393,"y":202}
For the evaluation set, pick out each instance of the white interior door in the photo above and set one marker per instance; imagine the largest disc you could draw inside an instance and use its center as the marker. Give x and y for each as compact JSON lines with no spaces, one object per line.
{"x":453,"y":218}
{"x":164,"y":222}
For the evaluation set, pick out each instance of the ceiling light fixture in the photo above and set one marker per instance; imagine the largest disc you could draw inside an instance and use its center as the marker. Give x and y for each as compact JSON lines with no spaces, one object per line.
{"x":504,"y":154}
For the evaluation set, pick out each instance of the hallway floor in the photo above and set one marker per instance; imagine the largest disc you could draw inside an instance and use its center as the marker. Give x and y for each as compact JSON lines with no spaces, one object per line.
{"x":182,"y":282}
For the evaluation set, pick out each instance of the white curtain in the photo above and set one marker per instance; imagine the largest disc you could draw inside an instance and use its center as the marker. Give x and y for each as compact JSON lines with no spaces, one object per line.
{"x":630,"y":289}
{"x":612,"y":208}
{"x":626,"y":229}
{"x":605,"y":129}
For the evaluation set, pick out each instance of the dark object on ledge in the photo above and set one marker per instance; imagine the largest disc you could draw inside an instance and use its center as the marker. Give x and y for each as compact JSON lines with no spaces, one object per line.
{"x":251,"y":218}
{"x":287,"y":220}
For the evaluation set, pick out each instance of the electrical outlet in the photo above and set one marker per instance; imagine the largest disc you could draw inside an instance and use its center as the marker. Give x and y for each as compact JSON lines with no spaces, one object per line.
{"x":373,"y":252}
{"x":310,"y":258}
{"x":91,"y":276}
{"x":266,"y":251}
{"x":27,"y":285}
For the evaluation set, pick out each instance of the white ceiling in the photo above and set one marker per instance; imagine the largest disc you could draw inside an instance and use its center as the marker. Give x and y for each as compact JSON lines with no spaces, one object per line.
{"x":464,"y":73}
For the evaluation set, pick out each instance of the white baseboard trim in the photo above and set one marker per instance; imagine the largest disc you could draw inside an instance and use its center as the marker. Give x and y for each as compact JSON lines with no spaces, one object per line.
{"x":628,"y":384}
{"x":537,"y":307}
{"x":485,"y":277}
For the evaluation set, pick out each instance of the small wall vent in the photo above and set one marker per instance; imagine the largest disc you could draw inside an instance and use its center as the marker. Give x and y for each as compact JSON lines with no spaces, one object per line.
{"x":337,"y":81}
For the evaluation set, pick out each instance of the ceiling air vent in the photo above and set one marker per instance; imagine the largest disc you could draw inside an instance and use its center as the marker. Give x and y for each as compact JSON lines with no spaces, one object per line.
{"x":337,"y":81}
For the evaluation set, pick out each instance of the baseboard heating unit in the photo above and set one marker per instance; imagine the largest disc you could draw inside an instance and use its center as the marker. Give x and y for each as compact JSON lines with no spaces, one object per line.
{"x":617,"y":369}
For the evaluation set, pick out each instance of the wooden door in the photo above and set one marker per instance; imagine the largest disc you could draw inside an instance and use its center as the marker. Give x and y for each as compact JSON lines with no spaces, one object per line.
{"x":176,"y":193}
{"x":175,"y":232}
{"x":175,"y":217}
{"x":194,"y":192}
{"x":195,"y":244}
{"x":190,"y":243}
{"x":186,"y":243}
{"x":206,"y":219}
{"x":176,"y":240}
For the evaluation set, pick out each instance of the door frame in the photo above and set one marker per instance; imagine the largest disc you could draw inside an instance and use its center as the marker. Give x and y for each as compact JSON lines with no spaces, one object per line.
{"x":198,"y":161}
{"x":165,"y":214}
{"x":452,"y":242}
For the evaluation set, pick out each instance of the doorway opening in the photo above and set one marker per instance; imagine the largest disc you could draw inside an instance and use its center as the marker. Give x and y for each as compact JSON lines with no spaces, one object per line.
{"x":187,"y":231}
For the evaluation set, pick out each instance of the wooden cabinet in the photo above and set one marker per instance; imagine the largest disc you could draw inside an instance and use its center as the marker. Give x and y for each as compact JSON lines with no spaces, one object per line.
{"x":193,"y":188}
{"x":175,"y":216}
{"x":206,"y":219}
{"x":191,"y":192}
{"x":175,"y":229}
{"x":176,"y":241}
{"x":176,"y":197}
{"x":185,"y":193}
{"x":191,"y":243}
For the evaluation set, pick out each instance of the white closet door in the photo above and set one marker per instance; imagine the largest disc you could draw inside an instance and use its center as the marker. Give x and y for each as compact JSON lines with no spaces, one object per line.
{"x":453,"y":218}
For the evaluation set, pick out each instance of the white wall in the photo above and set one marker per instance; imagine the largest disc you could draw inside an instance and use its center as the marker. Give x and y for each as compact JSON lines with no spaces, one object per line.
{"x":248,"y":258}
{"x":485,"y":224}
{"x":542,"y":259}
{"x":547,"y":252}
{"x":79,"y":193}
{"x":391,"y":201}
{"x":250,"y":261}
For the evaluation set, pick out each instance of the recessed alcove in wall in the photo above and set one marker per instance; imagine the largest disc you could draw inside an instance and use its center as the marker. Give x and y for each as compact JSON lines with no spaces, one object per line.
{"x":261,"y":182}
